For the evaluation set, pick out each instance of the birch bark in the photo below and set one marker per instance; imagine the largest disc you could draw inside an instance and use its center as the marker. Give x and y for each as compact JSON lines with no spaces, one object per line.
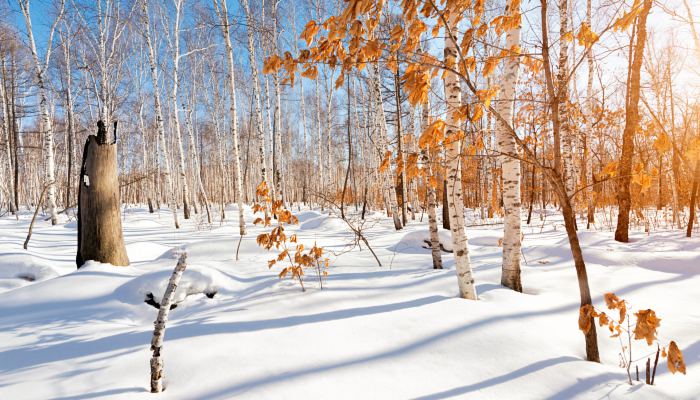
{"x":380,"y":121}
{"x":259,"y":127}
{"x":455,"y":202}
{"x":431,"y":197}
{"x":160,"y":127}
{"x":161,"y":320}
{"x":223,"y":14}
{"x":510,"y":164}
{"x":46,"y":126}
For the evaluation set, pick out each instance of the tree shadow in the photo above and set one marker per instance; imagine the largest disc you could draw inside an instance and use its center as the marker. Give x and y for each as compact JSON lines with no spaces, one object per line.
{"x":37,"y":354}
{"x":497,"y":380}
{"x":104,"y":393}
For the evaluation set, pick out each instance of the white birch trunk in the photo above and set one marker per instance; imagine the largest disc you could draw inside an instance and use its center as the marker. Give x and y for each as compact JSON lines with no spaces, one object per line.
{"x":510,"y":165}
{"x":175,"y":110}
{"x":380,"y":121}
{"x":279,"y":153}
{"x":563,"y":93}
{"x":160,"y":127}
{"x":431,"y":197}
{"x":161,"y":320}
{"x":259,"y":127}
{"x":329,"y":126}
{"x":238,"y":178}
{"x":319,"y":140}
{"x":46,"y":128}
{"x":455,"y":203}
{"x":195,"y":158}
{"x":4,"y":104}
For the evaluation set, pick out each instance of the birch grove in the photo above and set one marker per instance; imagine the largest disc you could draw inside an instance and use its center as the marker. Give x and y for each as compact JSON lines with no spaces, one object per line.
{"x":434,"y":119}
{"x":40,"y":68}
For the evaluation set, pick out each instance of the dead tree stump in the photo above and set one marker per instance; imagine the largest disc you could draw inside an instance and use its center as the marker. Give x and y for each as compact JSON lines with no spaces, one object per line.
{"x":99,"y":218}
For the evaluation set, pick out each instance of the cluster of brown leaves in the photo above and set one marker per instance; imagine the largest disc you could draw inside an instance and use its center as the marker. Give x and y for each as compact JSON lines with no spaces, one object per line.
{"x":277,"y":238}
{"x":645,"y":327}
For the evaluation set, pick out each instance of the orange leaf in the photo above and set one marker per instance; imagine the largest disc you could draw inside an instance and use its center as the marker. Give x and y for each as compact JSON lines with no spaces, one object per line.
{"x":675,"y":359}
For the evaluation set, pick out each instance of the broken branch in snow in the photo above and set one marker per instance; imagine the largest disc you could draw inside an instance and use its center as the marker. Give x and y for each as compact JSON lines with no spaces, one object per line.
{"x":159,"y":331}
{"x":36,"y":211}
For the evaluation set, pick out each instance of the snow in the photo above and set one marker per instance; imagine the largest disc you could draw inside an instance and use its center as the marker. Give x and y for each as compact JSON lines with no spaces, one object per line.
{"x":19,"y":269}
{"x":392,"y":332}
{"x":417,"y":241}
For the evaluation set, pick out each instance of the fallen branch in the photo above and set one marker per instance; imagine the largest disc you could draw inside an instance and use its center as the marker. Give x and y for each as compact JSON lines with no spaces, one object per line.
{"x":159,"y":331}
{"x":36,"y":211}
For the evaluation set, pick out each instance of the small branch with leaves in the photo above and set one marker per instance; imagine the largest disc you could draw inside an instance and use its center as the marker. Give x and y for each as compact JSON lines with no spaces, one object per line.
{"x":277,"y":238}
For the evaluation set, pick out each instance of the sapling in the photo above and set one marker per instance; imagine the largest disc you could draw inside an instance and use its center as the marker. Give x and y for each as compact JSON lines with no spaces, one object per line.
{"x":644,"y":327}
{"x":277,"y":238}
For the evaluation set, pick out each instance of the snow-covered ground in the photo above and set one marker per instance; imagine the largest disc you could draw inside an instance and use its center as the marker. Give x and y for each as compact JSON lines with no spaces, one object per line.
{"x":393,"y":332}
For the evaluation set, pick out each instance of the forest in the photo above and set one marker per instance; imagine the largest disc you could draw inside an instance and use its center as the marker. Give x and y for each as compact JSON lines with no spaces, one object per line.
{"x":390,"y":199}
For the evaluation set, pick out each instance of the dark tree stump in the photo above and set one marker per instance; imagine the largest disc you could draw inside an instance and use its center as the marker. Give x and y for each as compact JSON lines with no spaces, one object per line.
{"x":99,"y":219}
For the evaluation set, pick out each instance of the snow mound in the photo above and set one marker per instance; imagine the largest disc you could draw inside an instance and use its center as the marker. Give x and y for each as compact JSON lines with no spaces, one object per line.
{"x":19,"y":269}
{"x":484,"y":239}
{"x":324,"y":223}
{"x":71,"y":225}
{"x":144,"y":251}
{"x":214,"y":250}
{"x":142,"y":223}
{"x":312,"y":223}
{"x":195,"y":280}
{"x":417,"y":242}
{"x":307,"y":215}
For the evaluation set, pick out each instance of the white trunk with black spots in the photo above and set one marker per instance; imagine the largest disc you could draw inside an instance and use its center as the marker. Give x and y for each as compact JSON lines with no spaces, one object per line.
{"x":510,"y":165}
{"x":175,"y":111}
{"x":233,"y":115}
{"x":563,"y":83}
{"x":431,"y":197}
{"x":455,"y":202}
{"x":259,"y":127}
{"x":159,"y":331}
{"x":388,"y":179}
{"x":160,"y":127}
{"x":45,"y":118}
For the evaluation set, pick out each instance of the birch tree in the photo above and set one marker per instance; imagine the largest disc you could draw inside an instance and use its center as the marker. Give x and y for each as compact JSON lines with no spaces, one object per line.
{"x":222,"y":11}
{"x":259,"y":127}
{"x":431,"y":197}
{"x":174,"y":104}
{"x":510,"y":163}
{"x":454,"y":141}
{"x":160,"y":127}
{"x":40,"y":70}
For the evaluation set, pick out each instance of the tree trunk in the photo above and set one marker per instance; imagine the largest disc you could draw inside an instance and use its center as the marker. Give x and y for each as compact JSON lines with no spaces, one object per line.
{"x":99,"y":217}
{"x":45,"y":118}
{"x":455,"y":202}
{"x":624,"y":199}
{"x":445,"y":211}
{"x":7,"y":128}
{"x":581,"y":274}
{"x":161,"y":320}
{"x":510,"y":165}
{"x":693,"y":197}
{"x":431,"y":199}
{"x":399,"y":138}
{"x":563,"y":100}
{"x":259,"y":127}
{"x":159,"y":115}
{"x":387,"y":175}
{"x":223,"y":14}
{"x":588,"y":159}
{"x":176,"y":113}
